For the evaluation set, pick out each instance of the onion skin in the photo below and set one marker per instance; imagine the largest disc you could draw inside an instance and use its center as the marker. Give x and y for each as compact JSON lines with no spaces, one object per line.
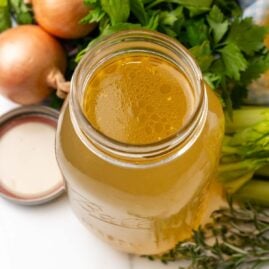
{"x":30,"y":60}
{"x":61,"y":18}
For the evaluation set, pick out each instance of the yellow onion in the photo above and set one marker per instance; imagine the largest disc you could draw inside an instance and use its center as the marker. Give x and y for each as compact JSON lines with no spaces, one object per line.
{"x":32,"y":64}
{"x":61,"y":18}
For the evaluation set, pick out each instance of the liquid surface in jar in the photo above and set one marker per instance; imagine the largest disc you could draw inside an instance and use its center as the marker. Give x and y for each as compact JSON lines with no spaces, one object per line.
{"x":138,"y":99}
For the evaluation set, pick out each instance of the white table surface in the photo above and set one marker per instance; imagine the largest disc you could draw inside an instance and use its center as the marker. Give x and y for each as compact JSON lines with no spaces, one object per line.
{"x":51,"y":237}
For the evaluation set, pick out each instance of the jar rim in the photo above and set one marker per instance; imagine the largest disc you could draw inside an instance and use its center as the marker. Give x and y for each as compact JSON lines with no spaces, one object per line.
{"x":91,"y":136}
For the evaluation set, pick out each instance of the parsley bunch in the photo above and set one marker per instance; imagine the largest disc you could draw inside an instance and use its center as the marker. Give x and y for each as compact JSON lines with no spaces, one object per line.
{"x":228,"y":47}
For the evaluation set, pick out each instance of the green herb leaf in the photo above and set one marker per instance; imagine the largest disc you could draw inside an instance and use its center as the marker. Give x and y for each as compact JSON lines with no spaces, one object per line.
{"x":212,"y":79}
{"x":257,"y":66}
{"x":171,"y":22}
{"x":22,"y":12}
{"x":217,"y":23}
{"x":137,"y":8}
{"x":5,"y":21}
{"x":203,"y":55}
{"x":172,"y":19}
{"x":199,"y":4}
{"x":153,"y":21}
{"x":229,"y":8}
{"x":92,"y":3}
{"x":238,"y":94}
{"x":196,"y":32}
{"x":246,"y":35}
{"x":216,"y":15}
{"x":120,"y":27}
{"x":108,"y":30}
{"x":195,"y":6}
{"x":95,"y":15}
{"x":117,"y":10}
{"x":169,"y":18}
{"x":234,"y":61}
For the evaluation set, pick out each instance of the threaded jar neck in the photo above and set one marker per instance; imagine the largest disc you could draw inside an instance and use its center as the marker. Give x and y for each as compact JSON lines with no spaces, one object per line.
{"x":144,"y":42}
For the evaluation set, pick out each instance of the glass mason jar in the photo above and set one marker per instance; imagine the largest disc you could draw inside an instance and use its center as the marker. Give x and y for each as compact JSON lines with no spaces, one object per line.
{"x":139,"y":199}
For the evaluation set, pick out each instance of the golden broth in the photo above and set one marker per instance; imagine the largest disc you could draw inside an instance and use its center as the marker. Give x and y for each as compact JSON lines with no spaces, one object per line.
{"x":138,"y":99}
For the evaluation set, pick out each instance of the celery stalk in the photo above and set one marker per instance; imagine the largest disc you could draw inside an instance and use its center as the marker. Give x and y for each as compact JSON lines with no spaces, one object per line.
{"x":245,"y":148}
{"x":246,"y":117}
{"x":263,"y":171}
{"x":234,"y":175}
{"x":256,"y":191}
{"x":233,"y":185}
{"x":250,"y":142}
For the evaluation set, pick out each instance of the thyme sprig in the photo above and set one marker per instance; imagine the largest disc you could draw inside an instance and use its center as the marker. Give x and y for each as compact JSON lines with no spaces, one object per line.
{"x":237,"y":238}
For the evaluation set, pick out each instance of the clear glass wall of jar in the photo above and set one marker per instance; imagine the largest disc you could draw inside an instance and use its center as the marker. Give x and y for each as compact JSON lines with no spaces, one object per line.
{"x":139,"y":199}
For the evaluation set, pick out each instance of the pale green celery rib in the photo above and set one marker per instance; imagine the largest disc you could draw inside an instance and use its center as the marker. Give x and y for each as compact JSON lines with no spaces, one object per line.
{"x":255,"y":190}
{"x":246,"y":117}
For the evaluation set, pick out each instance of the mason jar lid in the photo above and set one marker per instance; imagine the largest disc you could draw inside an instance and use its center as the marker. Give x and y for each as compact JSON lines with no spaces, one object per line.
{"x":29,"y":173}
